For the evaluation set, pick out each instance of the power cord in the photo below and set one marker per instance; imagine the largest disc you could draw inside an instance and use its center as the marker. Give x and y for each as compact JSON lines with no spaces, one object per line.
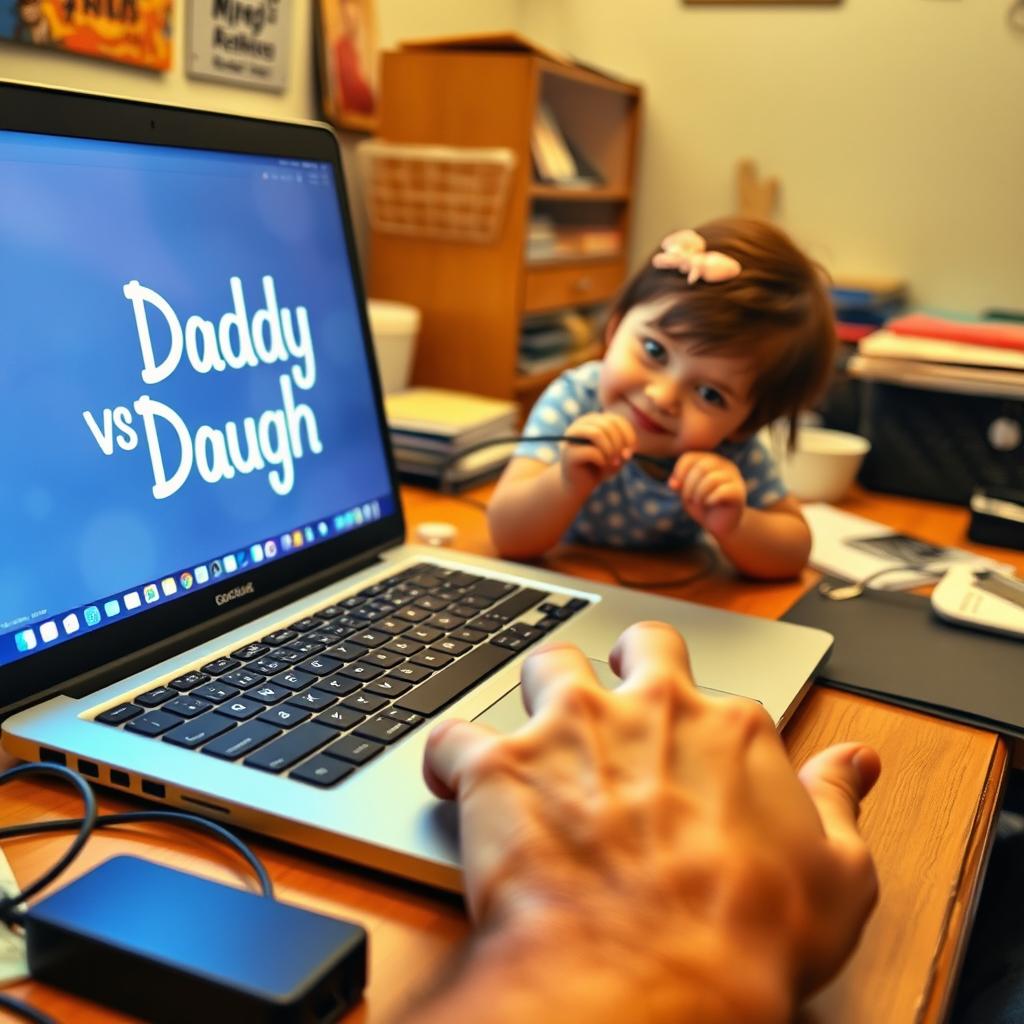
{"x":9,"y":912}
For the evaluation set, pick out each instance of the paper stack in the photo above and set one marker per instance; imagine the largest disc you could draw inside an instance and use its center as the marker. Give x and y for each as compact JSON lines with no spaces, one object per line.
{"x":437,"y":433}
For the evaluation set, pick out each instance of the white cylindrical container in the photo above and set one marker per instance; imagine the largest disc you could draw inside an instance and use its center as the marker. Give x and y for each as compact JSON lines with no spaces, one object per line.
{"x":394,"y":326}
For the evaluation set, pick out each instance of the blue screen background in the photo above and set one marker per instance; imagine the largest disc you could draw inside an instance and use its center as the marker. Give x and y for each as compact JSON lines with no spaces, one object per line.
{"x":78,"y":220}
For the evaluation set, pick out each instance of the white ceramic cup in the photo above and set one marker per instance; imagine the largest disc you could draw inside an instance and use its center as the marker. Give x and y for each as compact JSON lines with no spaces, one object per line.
{"x":824,"y":463}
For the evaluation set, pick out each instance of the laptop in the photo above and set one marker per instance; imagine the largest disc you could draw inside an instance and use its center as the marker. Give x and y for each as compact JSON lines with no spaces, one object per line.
{"x":205,"y":597}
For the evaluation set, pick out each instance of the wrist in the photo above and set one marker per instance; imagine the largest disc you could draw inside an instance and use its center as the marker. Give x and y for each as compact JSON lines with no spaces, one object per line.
{"x":603,"y":973}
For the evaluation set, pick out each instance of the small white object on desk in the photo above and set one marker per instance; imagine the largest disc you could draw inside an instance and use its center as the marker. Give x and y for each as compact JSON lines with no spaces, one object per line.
{"x":982,"y":599}
{"x":438,"y":535}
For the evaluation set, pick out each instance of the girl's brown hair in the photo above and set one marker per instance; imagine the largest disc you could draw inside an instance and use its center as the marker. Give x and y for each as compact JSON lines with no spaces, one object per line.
{"x":776,"y":312}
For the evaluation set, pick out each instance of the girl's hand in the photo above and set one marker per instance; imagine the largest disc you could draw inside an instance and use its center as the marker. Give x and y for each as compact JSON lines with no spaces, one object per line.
{"x":612,"y":442}
{"x":711,"y":490}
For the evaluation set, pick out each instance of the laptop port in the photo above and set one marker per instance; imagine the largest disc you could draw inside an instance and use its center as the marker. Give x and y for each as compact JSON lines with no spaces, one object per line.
{"x":89,"y":768}
{"x":120,"y":778}
{"x":151,"y":788}
{"x":52,"y":756}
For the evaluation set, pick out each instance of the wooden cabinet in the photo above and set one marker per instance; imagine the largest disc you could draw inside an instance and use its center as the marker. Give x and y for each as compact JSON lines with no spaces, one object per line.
{"x":475,"y":296}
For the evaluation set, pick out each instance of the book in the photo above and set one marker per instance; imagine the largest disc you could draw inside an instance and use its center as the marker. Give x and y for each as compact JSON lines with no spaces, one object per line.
{"x":892,"y":345}
{"x":973,"y":332}
{"x":454,"y":419}
{"x":550,"y":151}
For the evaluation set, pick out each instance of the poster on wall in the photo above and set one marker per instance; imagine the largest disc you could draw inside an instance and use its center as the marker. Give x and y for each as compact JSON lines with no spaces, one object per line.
{"x":127,"y":31}
{"x":347,"y":59}
{"x":239,"y":43}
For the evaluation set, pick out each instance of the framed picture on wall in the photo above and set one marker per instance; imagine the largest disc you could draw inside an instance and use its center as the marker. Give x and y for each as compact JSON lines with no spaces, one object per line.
{"x":248,"y":48}
{"x":136,"y":33}
{"x":347,"y":61}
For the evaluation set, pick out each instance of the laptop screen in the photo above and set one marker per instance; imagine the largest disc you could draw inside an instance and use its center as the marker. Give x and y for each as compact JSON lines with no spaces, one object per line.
{"x":188,"y":392}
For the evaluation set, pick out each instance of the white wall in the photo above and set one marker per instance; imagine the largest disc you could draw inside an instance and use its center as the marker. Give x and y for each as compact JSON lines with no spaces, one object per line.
{"x":895,"y":126}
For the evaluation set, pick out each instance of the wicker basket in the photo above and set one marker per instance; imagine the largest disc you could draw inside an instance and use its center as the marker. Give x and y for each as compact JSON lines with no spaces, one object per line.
{"x":445,"y":193}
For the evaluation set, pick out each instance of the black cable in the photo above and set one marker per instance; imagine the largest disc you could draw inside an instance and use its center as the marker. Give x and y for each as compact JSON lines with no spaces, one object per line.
{"x":8,"y":905}
{"x":174,"y":817}
{"x":16,"y":1006}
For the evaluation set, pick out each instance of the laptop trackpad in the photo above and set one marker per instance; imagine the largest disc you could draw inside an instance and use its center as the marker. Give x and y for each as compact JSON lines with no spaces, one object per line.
{"x":508,"y":714}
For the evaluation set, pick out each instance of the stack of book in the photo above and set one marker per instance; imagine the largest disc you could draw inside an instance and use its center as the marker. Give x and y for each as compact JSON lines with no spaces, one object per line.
{"x":863,"y":304}
{"x":554,"y":159}
{"x":441,"y":438}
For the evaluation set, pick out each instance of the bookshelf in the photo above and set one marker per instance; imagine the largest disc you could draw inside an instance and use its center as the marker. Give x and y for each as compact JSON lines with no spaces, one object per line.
{"x":475,"y":298}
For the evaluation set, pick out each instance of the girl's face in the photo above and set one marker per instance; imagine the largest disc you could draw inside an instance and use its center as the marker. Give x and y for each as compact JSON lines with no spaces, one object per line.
{"x":676,"y":399}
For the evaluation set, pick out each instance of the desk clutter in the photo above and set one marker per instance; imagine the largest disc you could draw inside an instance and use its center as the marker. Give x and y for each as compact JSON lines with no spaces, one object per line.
{"x":441,"y":438}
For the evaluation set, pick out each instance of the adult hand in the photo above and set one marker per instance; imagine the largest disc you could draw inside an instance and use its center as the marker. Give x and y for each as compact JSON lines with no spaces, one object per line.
{"x":612,"y":442}
{"x":711,"y":490}
{"x":657,"y":833}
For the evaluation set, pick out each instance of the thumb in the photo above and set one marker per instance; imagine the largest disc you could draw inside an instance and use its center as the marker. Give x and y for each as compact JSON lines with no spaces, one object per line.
{"x":837,"y":780}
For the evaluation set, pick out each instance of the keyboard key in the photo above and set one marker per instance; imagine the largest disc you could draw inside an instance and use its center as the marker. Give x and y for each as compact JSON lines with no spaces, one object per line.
{"x":250,"y":651}
{"x":462,"y":579}
{"x":385,"y":658}
{"x":477,"y":601}
{"x":547,"y":623}
{"x":321,"y":665}
{"x":322,"y":771}
{"x":241,"y":740}
{"x":513,"y":641}
{"x":243,"y":678}
{"x":431,"y":659}
{"x":431,"y":602}
{"x":216,"y":692}
{"x":293,"y":746}
{"x":154,"y":698}
{"x":187,"y":705}
{"x":122,"y":713}
{"x":241,"y":708}
{"x":312,"y":700}
{"x":348,"y":651}
{"x":514,"y":606}
{"x":371,"y":638}
{"x":528,"y":633}
{"x":469,"y":636}
{"x":410,"y":613}
{"x":450,"y":646}
{"x":354,"y":749}
{"x":305,"y":625}
{"x":451,"y":682}
{"x":391,"y":626}
{"x":487,"y":623}
{"x":188,"y":680}
{"x":153,"y":724}
{"x":387,"y":687}
{"x":445,"y":620}
{"x":221,"y":665}
{"x":340,"y":718}
{"x":364,"y":702}
{"x":288,"y":655}
{"x":464,"y":611}
{"x":294,"y":679}
{"x":425,"y":634}
{"x":282,"y":636}
{"x":402,"y":716}
{"x":402,"y":645}
{"x":267,"y":693}
{"x":410,"y":673}
{"x":268,"y":665}
{"x":492,"y":588}
{"x":192,"y":734}
{"x":576,"y":604}
{"x":361,"y":670}
{"x":306,"y":646}
{"x":384,"y":730}
{"x":284,"y":716}
{"x":336,"y":685}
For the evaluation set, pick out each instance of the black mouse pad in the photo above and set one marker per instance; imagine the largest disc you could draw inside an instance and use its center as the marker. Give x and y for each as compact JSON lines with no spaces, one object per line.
{"x":891,"y":646}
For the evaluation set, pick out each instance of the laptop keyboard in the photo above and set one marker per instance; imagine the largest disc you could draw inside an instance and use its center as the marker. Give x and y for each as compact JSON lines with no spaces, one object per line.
{"x":328,"y":692}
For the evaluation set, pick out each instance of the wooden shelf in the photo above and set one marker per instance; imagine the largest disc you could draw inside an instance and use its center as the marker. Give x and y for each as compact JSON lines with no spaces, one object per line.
{"x":568,"y":194}
{"x":527,"y":382}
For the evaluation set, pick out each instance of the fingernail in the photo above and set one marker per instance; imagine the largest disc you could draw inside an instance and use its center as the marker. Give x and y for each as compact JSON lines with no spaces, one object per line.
{"x":866,"y":766}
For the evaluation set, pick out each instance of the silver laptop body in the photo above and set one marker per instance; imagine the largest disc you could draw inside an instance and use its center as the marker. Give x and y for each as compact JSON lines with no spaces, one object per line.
{"x":269,"y":617}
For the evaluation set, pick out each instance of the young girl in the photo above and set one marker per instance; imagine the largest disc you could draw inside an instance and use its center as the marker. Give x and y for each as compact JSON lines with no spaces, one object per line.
{"x":727,"y":328}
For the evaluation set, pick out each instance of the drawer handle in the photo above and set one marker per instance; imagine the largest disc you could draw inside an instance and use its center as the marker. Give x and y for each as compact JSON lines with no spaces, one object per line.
{"x":583,"y":284}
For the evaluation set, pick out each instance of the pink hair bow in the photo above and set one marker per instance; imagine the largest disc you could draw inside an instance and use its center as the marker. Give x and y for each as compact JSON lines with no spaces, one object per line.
{"x":687,"y":252}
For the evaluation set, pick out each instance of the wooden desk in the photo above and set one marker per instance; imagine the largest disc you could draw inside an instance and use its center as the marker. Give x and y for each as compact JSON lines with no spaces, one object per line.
{"x":929,"y":821}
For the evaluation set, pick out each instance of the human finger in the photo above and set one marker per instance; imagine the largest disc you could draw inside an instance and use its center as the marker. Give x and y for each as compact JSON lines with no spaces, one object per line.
{"x":722,"y":494}
{"x":651,"y":647}
{"x":837,"y":780}
{"x":698,"y":471}
{"x":592,"y":431}
{"x":552,"y":669}
{"x":713,"y":480}
{"x":682,"y":468}
{"x":450,"y":748}
{"x":627,"y":430}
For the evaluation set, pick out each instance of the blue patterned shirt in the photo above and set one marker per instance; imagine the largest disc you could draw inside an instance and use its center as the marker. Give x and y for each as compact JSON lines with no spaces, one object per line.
{"x":632,"y":509}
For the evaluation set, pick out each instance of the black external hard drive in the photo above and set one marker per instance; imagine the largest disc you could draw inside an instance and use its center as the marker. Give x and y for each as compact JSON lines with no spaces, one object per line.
{"x":167,"y":946}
